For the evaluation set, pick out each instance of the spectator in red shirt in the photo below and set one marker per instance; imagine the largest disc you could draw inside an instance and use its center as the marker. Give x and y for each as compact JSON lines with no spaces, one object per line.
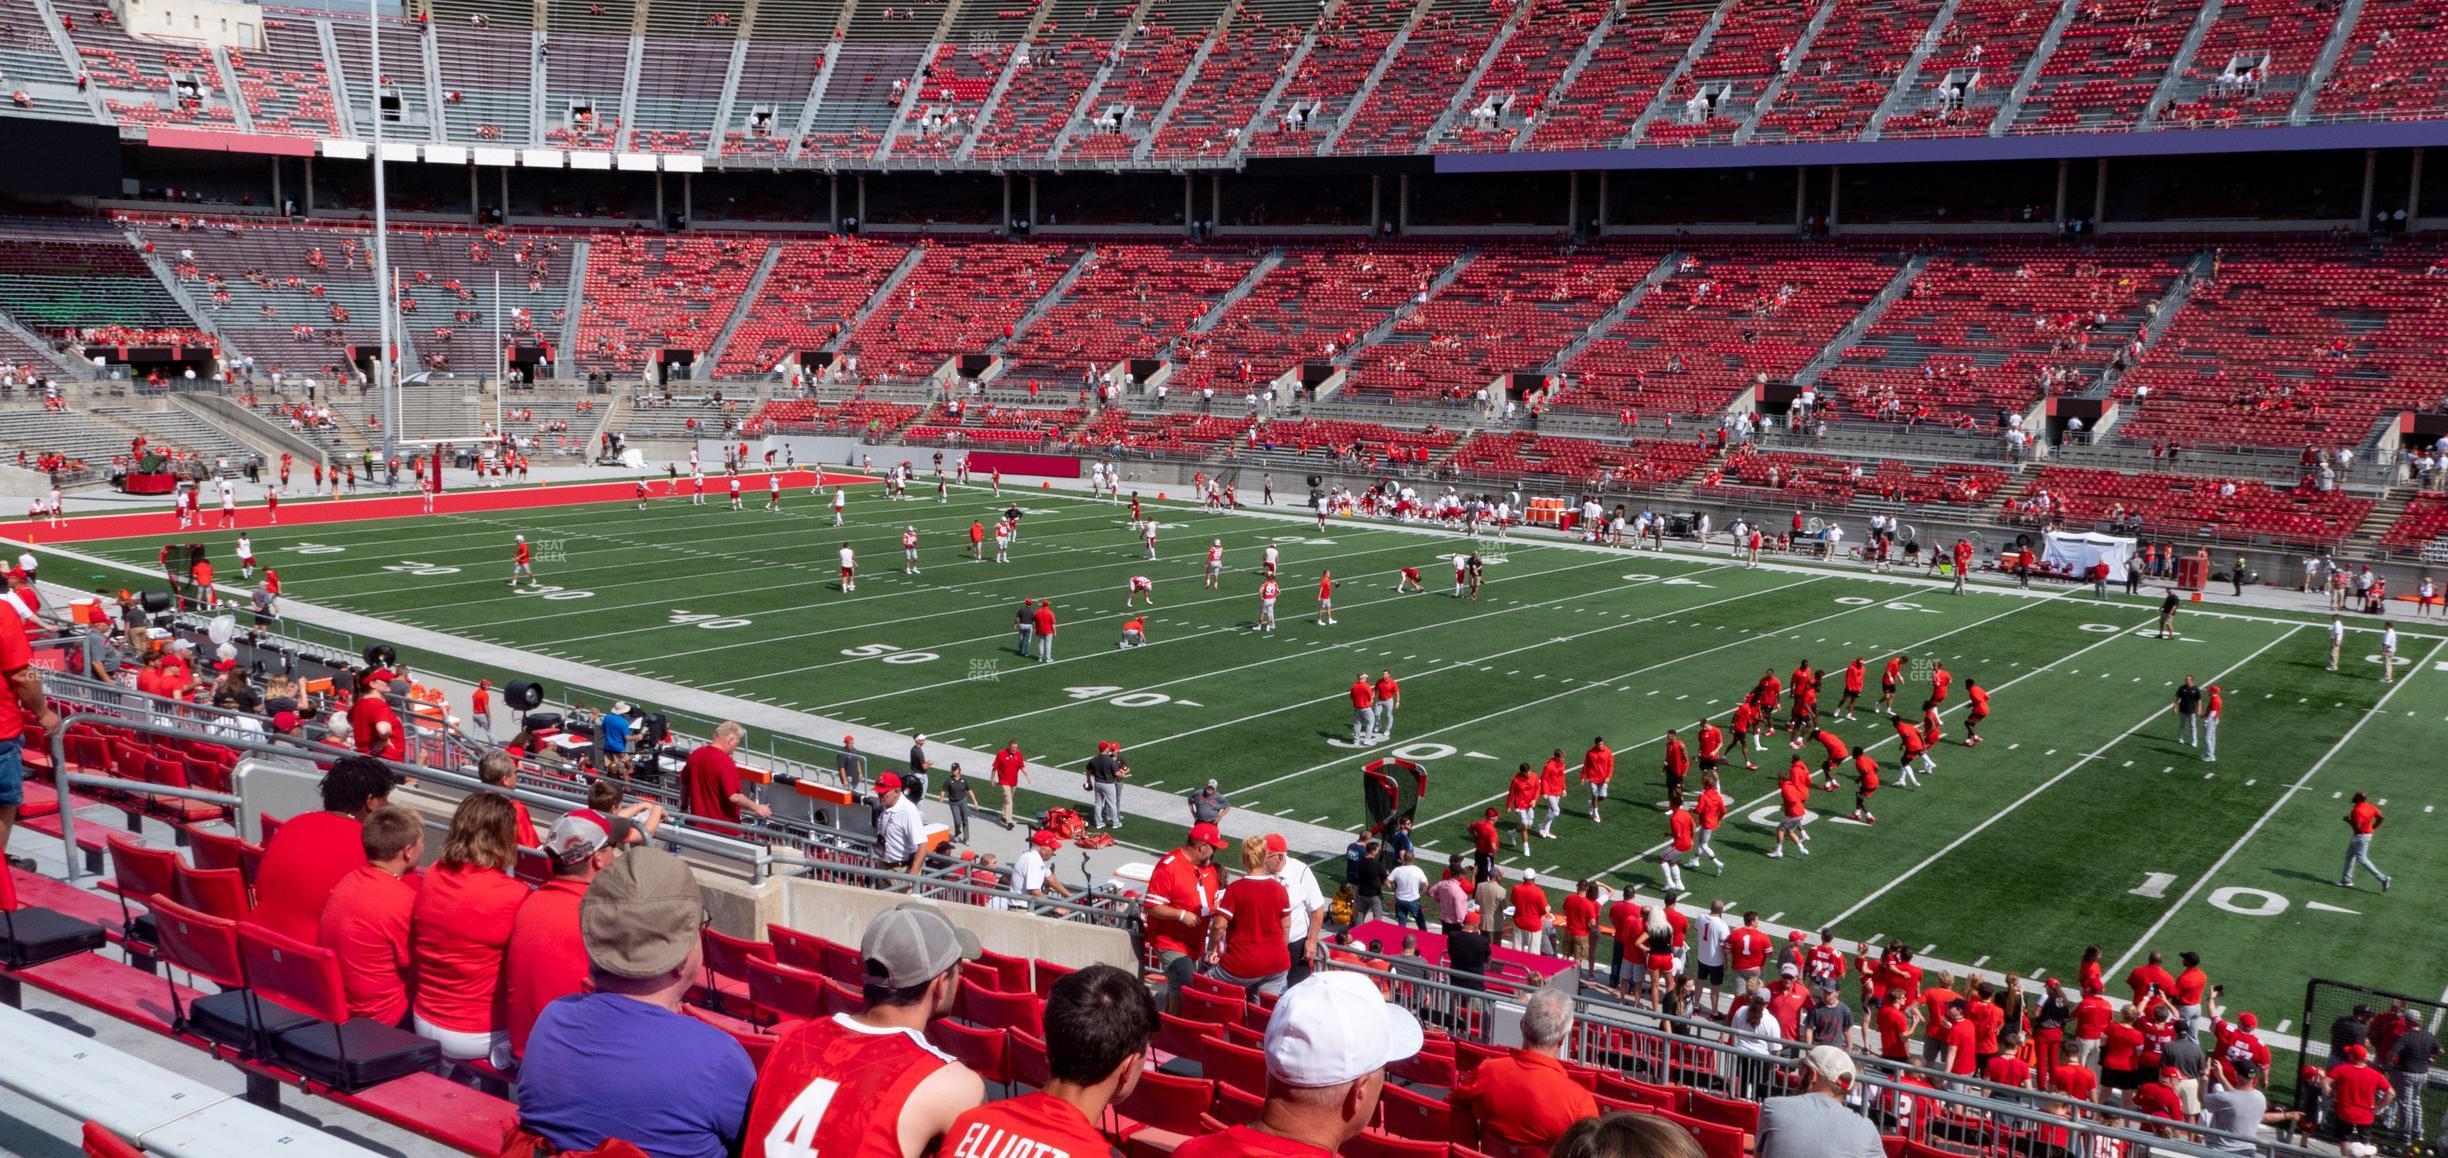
{"x":1529,"y":914}
{"x":547,"y":957}
{"x":2357,"y":1093}
{"x":710,"y":782}
{"x":374,"y":725}
{"x":1246,"y":942}
{"x":1099,"y":1023}
{"x":365,"y":922}
{"x":2150,"y":978}
{"x":460,"y":933}
{"x":2121,"y":1054}
{"x":1962,"y":1039}
{"x":311,"y":853}
{"x":1180,"y":897}
{"x":1525,"y":1099}
{"x":22,"y":704}
{"x":1010,"y":769}
{"x":499,"y":772}
{"x":1581,"y":912}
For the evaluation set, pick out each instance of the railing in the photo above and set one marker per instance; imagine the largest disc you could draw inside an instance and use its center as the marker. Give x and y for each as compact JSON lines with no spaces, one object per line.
{"x":1952,"y":1111}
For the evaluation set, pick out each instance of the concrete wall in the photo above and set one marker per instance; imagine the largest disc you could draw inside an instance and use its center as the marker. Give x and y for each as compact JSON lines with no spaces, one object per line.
{"x":237,"y":26}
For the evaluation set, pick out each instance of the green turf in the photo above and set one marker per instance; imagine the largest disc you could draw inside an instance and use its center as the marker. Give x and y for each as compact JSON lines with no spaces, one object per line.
{"x":2013,"y":856}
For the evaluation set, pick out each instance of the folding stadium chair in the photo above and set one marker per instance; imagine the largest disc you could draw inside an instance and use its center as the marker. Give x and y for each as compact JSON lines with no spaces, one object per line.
{"x":206,"y":946}
{"x":726,"y":959}
{"x":219,"y":892}
{"x":30,"y":937}
{"x":329,"y":1046}
{"x":139,"y":874}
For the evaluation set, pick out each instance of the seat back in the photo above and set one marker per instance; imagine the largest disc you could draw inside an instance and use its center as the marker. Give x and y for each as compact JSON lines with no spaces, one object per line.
{"x":796,"y":948}
{"x":728,"y":956}
{"x":1027,"y":1052}
{"x":101,"y":1143}
{"x":841,"y":963}
{"x":200,"y":943}
{"x":981,"y":1049}
{"x":1421,"y":1118}
{"x":1043,"y":975}
{"x":1371,"y":1144}
{"x":1235,"y":1106}
{"x":1012,"y":974}
{"x":142,"y":873}
{"x":840,"y":998}
{"x":1168,"y":1102}
{"x":777,"y":992}
{"x":1235,"y":1065}
{"x":218,"y":850}
{"x":981,"y":1005}
{"x":293,"y":974}
{"x":1186,"y":1040}
{"x":1213,"y":1008}
{"x":220,"y":892}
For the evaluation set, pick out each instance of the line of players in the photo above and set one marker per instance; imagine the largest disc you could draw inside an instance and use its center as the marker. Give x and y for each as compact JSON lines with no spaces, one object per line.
{"x":1692,"y":824}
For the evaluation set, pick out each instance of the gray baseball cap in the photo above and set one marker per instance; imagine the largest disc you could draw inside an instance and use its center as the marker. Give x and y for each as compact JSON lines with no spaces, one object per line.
{"x":911,"y":944}
{"x":641,"y":916}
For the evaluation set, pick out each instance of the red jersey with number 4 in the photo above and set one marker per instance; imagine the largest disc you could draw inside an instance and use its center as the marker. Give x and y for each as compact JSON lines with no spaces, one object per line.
{"x":835,"y":1089}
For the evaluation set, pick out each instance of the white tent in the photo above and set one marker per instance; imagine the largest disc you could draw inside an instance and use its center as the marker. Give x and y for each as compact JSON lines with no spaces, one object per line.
{"x":2077,"y":553}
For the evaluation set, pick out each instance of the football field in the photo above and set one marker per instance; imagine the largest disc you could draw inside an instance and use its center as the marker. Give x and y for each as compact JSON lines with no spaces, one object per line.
{"x":2079,"y":820}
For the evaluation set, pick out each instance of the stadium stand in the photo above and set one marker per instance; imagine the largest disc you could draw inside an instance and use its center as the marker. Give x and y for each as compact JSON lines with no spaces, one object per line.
{"x":644,"y":295}
{"x":973,"y":293}
{"x":1513,"y":91}
{"x":1812,"y":479}
{"x":1242,"y":66}
{"x":809,"y":301}
{"x":1132,"y":301}
{"x":1507,"y":312}
{"x":2291,"y":345}
{"x":1578,"y":461}
{"x":284,"y":84}
{"x":2180,"y":505}
{"x":59,"y":275}
{"x":1636,"y":57}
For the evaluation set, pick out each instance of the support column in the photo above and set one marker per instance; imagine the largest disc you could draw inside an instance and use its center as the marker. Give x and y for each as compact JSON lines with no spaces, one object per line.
{"x":1801,"y":198}
{"x":2064,"y":167}
{"x":306,"y":203}
{"x":1402,"y":204}
{"x":662,"y":219}
{"x":2414,"y":189}
{"x":1572,"y":203}
{"x":862,"y":200}
{"x":1032,"y":217}
{"x":833,"y":201}
{"x":1606,"y":181}
{"x":688,"y":197}
{"x":1189,"y":204}
{"x":1007,"y":213}
{"x":276,"y":186}
{"x":475,"y":199}
{"x":505,"y":194}
{"x":1215,"y":198}
{"x":1835,"y":191}
{"x":2099,"y":195}
{"x":1376,"y":203}
{"x":2371,"y":179}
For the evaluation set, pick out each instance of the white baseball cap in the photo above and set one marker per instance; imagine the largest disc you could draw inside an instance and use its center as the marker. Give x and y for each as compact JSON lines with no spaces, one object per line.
{"x":1335,"y":1028}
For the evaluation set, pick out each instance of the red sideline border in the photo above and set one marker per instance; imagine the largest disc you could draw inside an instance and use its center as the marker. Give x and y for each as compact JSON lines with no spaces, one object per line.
{"x":306,"y":512}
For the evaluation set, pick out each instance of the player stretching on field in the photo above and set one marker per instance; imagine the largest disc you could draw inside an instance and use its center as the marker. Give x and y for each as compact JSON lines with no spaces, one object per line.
{"x":849,"y":569}
{"x":1915,"y":747}
{"x":1215,"y":565}
{"x":1461,"y":575}
{"x":1889,"y":680}
{"x":522,"y":562}
{"x":1407,"y":579}
{"x":1746,"y":721}
{"x":1710,"y":811}
{"x":1837,"y":753}
{"x":1140,"y":585}
{"x":1478,"y":575}
{"x":1865,"y":770}
{"x":1852,"y":689}
{"x":1266,"y":605}
{"x":1980,"y":711}
{"x":909,"y":550}
{"x":1793,"y":794}
{"x":1326,"y":586}
{"x":1682,"y":837}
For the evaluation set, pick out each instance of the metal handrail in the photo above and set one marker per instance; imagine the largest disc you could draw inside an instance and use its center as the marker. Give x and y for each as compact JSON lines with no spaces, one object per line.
{"x":1413,"y":982}
{"x":1102,"y":907}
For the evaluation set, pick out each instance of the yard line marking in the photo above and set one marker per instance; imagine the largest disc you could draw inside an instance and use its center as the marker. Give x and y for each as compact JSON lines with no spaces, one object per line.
{"x":1926,"y":950}
{"x":2277,"y":804}
{"x":2047,"y":784}
{"x":1329,"y":698}
{"x":1984,"y":959}
{"x":1092,"y":653}
{"x":1756,"y":802}
{"x":1773,"y":917}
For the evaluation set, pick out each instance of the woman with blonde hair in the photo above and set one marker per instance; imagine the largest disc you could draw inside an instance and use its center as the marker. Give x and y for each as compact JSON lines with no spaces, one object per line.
{"x":1247,"y":944}
{"x":459,"y":933}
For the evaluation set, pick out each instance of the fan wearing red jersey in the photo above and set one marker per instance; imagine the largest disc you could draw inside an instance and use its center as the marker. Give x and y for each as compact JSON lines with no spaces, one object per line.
{"x":868,"y":1085}
{"x":1099,"y":1023}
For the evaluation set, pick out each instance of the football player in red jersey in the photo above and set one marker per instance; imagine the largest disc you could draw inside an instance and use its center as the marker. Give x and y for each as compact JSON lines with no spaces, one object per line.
{"x":1266,"y":605}
{"x":1597,"y":771}
{"x":1408,"y":579}
{"x":1852,"y":688}
{"x":868,"y":1085}
{"x":1889,"y":680}
{"x":1140,"y":585}
{"x":1865,"y":770}
{"x":1915,"y":747}
{"x":1793,"y":794}
{"x":1326,"y":588}
{"x":1710,"y":811}
{"x":1980,"y":711}
{"x":1215,"y":565}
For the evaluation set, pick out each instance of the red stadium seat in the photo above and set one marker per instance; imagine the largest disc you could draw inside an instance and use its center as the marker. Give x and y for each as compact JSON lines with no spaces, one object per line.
{"x":344,"y":1052}
{"x":219,"y":892}
{"x":777,"y":992}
